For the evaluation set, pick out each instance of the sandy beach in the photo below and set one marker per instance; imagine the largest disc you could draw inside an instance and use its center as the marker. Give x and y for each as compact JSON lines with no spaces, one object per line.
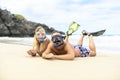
{"x":16,"y":64}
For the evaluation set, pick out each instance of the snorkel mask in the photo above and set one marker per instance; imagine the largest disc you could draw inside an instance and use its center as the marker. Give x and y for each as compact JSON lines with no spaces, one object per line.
{"x":58,"y":40}
{"x":42,"y":38}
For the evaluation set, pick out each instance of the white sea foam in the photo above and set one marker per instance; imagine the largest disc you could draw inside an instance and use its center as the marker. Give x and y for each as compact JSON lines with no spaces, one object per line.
{"x":104,"y":44}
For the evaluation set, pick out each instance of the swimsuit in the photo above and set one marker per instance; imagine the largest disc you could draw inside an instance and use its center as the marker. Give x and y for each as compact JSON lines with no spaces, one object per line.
{"x":83,"y":51}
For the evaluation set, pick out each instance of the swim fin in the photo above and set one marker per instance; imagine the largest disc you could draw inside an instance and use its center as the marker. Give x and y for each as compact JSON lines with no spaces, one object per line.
{"x":97,"y":33}
{"x":72,"y":28}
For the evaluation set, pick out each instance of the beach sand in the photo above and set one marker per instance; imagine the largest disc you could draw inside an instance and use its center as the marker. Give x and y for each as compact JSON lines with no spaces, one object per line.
{"x":16,"y":64}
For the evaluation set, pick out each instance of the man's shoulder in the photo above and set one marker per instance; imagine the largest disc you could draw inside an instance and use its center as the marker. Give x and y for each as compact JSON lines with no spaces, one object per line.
{"x":68,"y":45}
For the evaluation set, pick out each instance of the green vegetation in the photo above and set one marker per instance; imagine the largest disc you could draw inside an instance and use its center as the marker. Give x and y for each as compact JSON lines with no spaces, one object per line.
{"x":18,"y":16}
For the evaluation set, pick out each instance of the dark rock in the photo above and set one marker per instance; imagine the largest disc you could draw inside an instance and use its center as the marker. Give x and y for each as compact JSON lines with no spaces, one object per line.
{"x":11,"y":25}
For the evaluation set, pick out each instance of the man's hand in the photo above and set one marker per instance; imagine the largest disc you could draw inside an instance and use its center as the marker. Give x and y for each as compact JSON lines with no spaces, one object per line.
{"x":49,"y":56}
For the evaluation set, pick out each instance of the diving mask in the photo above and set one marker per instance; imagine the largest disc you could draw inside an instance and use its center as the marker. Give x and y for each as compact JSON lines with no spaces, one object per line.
{"x":58,"y":40}
{"x":41,"y":37}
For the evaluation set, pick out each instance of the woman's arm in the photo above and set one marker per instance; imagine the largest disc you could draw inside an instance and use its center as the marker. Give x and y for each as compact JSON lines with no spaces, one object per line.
{"x":46,"y":45}
{"x":47,"y":51}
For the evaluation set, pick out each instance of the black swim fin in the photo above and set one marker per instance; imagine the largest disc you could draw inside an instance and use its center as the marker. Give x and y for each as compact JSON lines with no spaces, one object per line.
{"x":97,"y":33}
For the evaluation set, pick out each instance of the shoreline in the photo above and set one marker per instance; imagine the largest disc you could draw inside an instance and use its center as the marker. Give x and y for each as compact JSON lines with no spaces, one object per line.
{"x":103,"y":43}
{"x":100,"y":51}
{"x":16,"y":64}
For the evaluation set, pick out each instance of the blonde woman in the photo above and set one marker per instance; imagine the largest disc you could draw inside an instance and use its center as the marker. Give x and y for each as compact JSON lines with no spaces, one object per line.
{"x":40,"y":42}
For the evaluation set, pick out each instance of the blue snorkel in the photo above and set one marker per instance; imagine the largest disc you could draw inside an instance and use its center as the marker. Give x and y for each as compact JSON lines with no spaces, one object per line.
{"x":42,"y":40}
{"x":56,"y":45}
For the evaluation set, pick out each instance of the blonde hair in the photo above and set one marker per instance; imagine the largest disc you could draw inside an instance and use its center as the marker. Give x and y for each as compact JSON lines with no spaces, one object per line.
{"x":36,"y":44}
{"x":40,"y":29}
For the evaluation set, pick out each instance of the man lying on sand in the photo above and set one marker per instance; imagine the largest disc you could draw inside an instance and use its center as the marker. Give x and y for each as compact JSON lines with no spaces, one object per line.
{"x":60,"y":49}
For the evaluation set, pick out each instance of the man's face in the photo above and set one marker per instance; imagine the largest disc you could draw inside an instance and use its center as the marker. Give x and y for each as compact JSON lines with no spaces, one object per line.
{"x":57,"y":39}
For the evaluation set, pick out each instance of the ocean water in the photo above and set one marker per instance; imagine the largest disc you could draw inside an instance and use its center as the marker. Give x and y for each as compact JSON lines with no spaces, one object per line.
{"x":104,"y":44}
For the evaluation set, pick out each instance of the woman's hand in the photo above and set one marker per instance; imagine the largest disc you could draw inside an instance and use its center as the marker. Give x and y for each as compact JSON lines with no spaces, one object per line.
{"x":40,"y":53}
{"x":32,"y":52}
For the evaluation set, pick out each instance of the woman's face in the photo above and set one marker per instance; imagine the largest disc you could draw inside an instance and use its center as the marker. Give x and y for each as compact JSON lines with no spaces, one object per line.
{"x":40,"y":35}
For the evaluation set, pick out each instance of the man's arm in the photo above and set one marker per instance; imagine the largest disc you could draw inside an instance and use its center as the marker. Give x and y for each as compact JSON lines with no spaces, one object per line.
{"x":68,"y":56}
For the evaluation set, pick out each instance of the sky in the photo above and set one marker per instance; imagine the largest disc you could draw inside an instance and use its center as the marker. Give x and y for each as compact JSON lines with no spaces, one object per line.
{"x":92,"y":15}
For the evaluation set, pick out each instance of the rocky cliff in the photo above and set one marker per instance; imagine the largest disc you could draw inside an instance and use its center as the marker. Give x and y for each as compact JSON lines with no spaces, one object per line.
{"x":15,"y":25}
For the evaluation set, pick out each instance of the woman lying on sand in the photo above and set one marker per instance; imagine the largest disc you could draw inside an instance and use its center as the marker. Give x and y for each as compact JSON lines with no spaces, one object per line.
{"x":40,"y":42}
